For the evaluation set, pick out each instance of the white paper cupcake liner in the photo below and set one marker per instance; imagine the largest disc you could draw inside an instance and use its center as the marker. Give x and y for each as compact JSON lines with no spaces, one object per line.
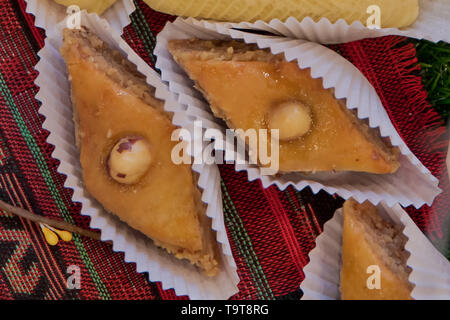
{"x":432,"y":24}
{"x":430,"y":273}
{"x":412,"y":184}
{"x":48,"y":13}
{"x":56,"y":107}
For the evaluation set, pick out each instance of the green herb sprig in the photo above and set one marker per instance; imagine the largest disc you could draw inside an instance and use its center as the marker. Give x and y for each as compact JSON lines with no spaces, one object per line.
{"x":434,"y":58}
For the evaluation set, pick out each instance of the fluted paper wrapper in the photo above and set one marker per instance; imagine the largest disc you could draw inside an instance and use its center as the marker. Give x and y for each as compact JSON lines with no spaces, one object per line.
{"x":430,"y":273}
{"x":412,"y":184}
{"x":48,"y":13}
{"x":432,"y":24}
{"x":56,"y":107}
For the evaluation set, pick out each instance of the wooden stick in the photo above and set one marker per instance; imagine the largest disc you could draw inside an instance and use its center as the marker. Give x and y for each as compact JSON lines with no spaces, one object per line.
{"x":58,"y":224}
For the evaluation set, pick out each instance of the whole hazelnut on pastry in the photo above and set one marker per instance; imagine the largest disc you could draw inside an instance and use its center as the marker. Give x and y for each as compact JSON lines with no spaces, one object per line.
{"x":129,"y":160}
{"x":293,"y":119}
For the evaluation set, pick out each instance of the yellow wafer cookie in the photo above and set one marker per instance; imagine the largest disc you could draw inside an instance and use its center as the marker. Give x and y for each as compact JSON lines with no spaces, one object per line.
{"x":394,"y":13}
{"x":97,"y":6}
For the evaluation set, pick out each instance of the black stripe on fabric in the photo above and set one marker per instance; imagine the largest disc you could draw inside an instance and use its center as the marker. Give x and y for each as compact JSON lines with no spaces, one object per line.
{"x":24,"y":24}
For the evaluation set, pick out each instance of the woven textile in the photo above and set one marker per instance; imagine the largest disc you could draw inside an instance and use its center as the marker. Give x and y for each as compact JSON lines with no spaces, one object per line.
{"x":271,"y":232}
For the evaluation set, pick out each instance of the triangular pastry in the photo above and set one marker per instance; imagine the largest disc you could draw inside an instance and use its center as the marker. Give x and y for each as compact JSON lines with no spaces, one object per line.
{"x":124,"y":137}
{"x":369,"y":240}
{"x":252,"y":88}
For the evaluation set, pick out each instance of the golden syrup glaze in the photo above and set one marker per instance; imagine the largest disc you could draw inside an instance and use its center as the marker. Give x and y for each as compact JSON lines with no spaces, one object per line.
{"x":161,"y":204}
{"x":254,"y":88}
